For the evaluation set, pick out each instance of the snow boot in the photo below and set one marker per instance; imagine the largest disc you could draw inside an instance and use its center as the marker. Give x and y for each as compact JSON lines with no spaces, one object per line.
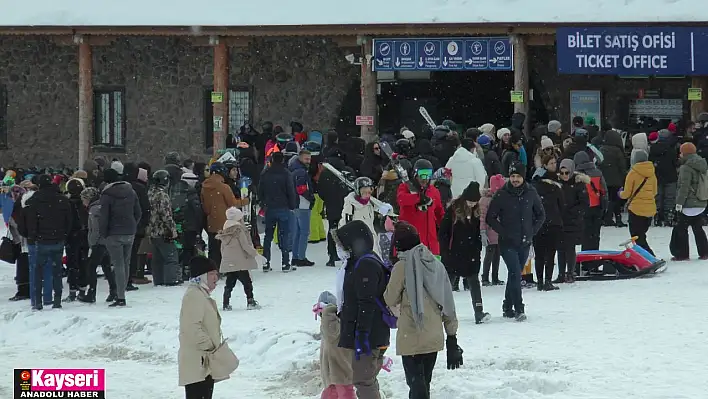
{"x":252,"y":304}
{"x":111,"y":297}
{"x":117,"y":303}
{"x":507,"y":310}
{"x":570,"y":278}
{"x":71,"y":297}
{"x":88,"y":297}
{"x":520,"y":315}
{"x":619,"y":223}
{"x":330,"y":263}
{"x":227,"y":305}
{"x":498,"y":282}
{"x":57,"y":302}
{"x":548,"y":286}
{"x":266,"y":267}
{"x":465,"y":284}
{"x":486,"y":283}
{"x":131,"y":287}
{"x":287,"y":268}
{"x":540,"y":287}
{"x":19,"y":297}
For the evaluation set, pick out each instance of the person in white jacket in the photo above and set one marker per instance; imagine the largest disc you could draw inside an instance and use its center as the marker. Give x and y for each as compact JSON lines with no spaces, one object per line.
{"x":465,"y":168}
{"x":358,"y":206}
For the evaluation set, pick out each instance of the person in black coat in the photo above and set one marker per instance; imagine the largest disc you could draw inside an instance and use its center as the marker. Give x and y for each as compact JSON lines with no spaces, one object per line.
{"x":545,"y":243}
{"x":130,"y":172}
{"x":492,"y":164}
{"x":516,"y":214}
{"x":77,"y":242}
{"x":374,"y":162}
{"x":573,"y":213}
{"x":512,"y":154}
{"x":614,"y":168}
{"x":363,"y":329}
{"x":332,"y":191}
{"x":461,"y":244}
{"x":664,"y":154}
{"x":424,"y":150}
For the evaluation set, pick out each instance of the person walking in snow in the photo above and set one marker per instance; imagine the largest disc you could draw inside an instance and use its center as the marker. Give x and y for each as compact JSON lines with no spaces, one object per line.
{"x":238,"y":257}
{"x":545,"y":243}
{"x":98,"y":253}
{"x":490,"y":238}
{"x":419,"y":284}
{"x":640,"y":192}
{"x":465,"y":168}
{"x":358,"y":206}
{"x":575,"y":198}
{"x":689,"y":205}
{"x":663,"y":153}
{"x":420,"y":205}
{"x":614,"y":169}
{"x":461,"y":241}
{"x":516,"y":214}
{"x":335,"y":362}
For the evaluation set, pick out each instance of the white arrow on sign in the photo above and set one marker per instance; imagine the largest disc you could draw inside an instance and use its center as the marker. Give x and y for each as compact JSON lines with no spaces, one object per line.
{"x":445,"y":61}
{"x":493,"y":60}
{"x":468,"y":62}
{"x":398,"y":62}
{"x":378,"y":61}
{"x":420,"y":62}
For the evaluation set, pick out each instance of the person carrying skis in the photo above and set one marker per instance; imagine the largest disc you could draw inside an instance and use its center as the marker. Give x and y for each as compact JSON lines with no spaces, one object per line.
{"x":358,"y":206}
{"x":420,"y":205}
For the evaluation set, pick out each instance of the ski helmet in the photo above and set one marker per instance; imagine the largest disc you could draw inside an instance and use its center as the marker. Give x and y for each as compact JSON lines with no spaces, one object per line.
{"x":161,"y":178}
{"x":362,"y":182}
{"x":218,"y":168}
{"x":423,"y":169}
{"x":403,"y":147}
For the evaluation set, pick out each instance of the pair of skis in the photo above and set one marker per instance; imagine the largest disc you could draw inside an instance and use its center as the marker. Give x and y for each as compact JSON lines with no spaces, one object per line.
{"x":377,"y":202}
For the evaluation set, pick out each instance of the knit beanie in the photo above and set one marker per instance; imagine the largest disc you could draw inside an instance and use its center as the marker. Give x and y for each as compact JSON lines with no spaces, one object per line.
{"x":199,"y":265}
{"x":484,"y":141}
{"x":546,"y":142}
{"x":80,"y":174}
{"x":665,"y":134}
{"x":568,"y":164}
{"x":640,"y":156}
{"x":327,"y":298}
{"x":117,"y":166}
{"x":44,"y":181}
{"x":405,"y":236}
{"x":75,"y":187}
{"x":501,"y":132}
{"x":672,"y":128}
{"x":496,"y":182}
{"x":688,"y":148}
{"x":111,"y":175}
{"x":172,"y":158}
{"x":234,"y":213}
{"x":471,"y":193}
{"x":517,"y":168}
{"x":553,"y":126}
{"x":653,"y":137}
{"x":489,"y":130}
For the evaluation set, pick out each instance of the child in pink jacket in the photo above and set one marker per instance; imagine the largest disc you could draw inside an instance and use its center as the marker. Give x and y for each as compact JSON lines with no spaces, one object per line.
{"x":490,"y":238}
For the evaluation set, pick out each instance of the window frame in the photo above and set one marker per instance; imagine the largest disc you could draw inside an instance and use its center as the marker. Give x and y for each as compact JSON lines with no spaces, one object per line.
{"x":96,"y":140}
{"x":209,"y":114}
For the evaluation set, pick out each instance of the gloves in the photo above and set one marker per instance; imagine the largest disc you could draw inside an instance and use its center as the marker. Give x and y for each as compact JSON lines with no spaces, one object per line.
{"x":620,"y":191}
{"x":679,"y":207}
{"x":361,"y":345}
{"x":485,"y":239}
{"x":318,"y":308}
{"x":424,"y":202}
{"x":385,"y":209}
{"x":454,"y":353}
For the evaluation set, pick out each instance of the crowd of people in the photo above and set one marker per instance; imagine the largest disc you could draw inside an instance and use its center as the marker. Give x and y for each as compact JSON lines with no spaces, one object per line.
{"x":407,"y":228}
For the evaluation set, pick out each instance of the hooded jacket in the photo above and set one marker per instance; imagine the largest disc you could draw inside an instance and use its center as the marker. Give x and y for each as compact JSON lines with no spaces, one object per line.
{"x":373,"y":165}
{"x":120,"y":210}
{"x":47,"y":216}
{"x":460,"y":243}
{"x":302,"y":183}
{"x":237,"y":251}
{"x":639,"y":143}
{"x":551,"y":193}
{"x":362,"y":287}
{"x":644,"y":202}
{"x":665,"y":156}
{"x":492,"y":164}
{"x":131,"y":175}
{"x":575,"y":205}
{"x":516,"y":214}
{"x":597,"y":188}
{"x":427,"y":221}
{"x":424,"y":150}
{"x":692,"y":166}
{"x":466,"y":168}
{"x":216,"y":198}
{"x":614,"y":166}
{"x":162,"y":223}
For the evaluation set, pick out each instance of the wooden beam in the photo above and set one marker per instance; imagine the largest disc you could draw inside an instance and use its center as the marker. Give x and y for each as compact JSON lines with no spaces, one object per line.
{"x":346,"y":41}
{"x":205,"y":41}
{"x":72,"y":40}
{"x":521,"y":78}
{"x":85,"y":101}
{"x":221,"y":85}
{"x":697,"y":107}
{"x":368,"y":92}
{"x":540,"y":40}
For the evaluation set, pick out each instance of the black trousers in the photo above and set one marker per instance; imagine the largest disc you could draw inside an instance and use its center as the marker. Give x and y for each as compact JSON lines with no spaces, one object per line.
{"x":492,"y":255}
{"x":99,"y":257}
{"x":76,"y":258}
{"x":593,"y":225}
{"x":331,"y":247}
{"x":679,"y":236}
{"x":244,"y":277}
{"x":419,"y":374}
{"x":638,"y":226}
{"x":136,"y":261}
{"x":214,"y":249}
{"x":200,"y":390}
{"x":189,"y":250}
{"x":615,"y":206}
{"x":22,"y":276}
{"x":475,"y":289}
{"x":545,"y":245}
{"x":566,"y":257}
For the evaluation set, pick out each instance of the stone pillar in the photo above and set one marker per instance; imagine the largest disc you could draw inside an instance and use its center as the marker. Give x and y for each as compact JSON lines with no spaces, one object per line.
{"x":221,"y":84}
{"x":521,"y":77}
{"x":85,"y":101}
{"x":699,"y":106}
{"x":368,"y":90}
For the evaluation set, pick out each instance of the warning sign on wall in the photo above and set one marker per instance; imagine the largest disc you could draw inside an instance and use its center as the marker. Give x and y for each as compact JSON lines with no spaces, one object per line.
{"x":364,"y":120}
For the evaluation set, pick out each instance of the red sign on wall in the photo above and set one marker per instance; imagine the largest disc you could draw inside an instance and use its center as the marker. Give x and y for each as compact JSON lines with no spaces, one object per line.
{"x":364,"y":120}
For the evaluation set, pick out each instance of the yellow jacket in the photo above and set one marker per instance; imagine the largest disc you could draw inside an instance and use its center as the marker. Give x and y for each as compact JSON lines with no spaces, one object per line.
{"x":643,"y":203}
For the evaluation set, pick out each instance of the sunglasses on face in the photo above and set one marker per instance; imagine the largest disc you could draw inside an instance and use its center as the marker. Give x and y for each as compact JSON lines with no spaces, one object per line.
{"x":564,"y":173}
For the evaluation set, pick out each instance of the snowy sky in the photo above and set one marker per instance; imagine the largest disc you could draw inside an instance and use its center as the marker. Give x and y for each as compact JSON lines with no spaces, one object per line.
{"x":334,"y":12}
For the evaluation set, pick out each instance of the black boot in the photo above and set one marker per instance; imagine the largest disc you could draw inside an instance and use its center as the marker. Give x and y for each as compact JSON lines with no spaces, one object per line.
{"x":88,"y":297}
{"x":480,"y":316}
{"x":520,"y":315}
{"x":19,"y":297}
{"x":548,"y":286}
{"x":71,"y":297}
{"x":507,"y":310}
{"x":111,"y":297}
{"x":57,"y":302}
{"x":266,"y":267}
{"x":227,"y":299}
{"x":117,"y":303}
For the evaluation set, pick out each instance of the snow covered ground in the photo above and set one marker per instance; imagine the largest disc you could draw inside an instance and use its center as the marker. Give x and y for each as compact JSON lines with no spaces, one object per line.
{"x":642,"y":338}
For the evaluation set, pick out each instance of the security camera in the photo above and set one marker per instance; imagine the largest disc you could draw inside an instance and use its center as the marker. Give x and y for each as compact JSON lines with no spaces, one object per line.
{"x":350,"y":58}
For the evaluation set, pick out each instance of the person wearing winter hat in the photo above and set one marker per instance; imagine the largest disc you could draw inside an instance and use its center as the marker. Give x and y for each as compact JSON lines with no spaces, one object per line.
{"x":420,"y":285}
{"x":555,"y":132}
{"x":462,"y":245}
{"x":575,"y":206}
{"x":516,"y":226}
{"x":690,"y":205}
{"x":238,"y":256}
{"x":490,"y":238}
{"x":335,"y":362}
{"x":419,"y":204}
{"x":118,"y":167}
{"x":547,"y":148}
{"x":639,"y":190}
{"x":143,"y":175}
{"x":503,"y":135}
{"x":663,"y":154}
{"x":653,"y":137}
{"x":76,"y":248}
{"x":640,"y":142}
{"x":200,"y":332}
{"x":492,"y":165}
{"x":47,"y":218}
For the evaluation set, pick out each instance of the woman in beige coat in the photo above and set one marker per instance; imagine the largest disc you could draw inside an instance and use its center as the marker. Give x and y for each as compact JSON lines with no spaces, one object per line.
{"x":238,"y":256}
{"x":420,"y":285}
{"x":199,"y":330}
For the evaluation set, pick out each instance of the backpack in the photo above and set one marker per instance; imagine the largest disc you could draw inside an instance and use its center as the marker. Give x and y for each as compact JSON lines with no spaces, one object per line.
{"x":179,"y":194}
{"x":388,"y":317}
{"x":702,"y":188}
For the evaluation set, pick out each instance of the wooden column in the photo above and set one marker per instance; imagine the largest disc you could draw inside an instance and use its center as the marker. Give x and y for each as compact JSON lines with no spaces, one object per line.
{"x":85,"y":100}
{"x":521,"y":77}
{"x":697,"y":107}
{"x":368,"y":90}
{"x":221,"y":84}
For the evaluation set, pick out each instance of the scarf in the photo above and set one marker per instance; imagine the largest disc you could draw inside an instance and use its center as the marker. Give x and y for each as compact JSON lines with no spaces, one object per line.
{"x":363,"y":201}
{"x":200,"y":281}
{"x":425,"y":274}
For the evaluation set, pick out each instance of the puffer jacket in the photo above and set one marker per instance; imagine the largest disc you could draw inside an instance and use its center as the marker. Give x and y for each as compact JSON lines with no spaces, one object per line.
{"x":410,"y":340}
{"x":120,"y":210}
{"x":335,"y":362}
{"x":199,"y":334}
{"x":162,"y":223}
{"x":492,"y":235}
{"x":551,"y":194}
{"x":237,"y":252}
{"x":517,"y":214}
{"x":355,"y":210}
{"x":466,"y":168}
{"x":94,"y":216}
{"x":692,"y":166}
{"x":576,"y":204}
{"x":644,"y":202}
{"x":664,"y":155}
{"x":460,"y":243}
{"x":614,"y":167}
{"x":217,"y":197}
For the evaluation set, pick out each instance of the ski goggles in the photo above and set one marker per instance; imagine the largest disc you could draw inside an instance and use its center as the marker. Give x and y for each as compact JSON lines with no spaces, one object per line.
{"x":425,"y":173}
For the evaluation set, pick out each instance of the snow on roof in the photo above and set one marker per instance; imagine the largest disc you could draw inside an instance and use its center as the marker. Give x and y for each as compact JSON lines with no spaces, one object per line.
{"x":343,"y":12}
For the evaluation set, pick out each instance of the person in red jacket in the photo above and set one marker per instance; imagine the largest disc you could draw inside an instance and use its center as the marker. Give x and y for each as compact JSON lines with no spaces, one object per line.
{"x":419,"y":204}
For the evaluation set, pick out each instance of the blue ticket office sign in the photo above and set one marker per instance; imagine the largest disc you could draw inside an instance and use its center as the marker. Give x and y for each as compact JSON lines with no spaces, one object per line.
{"x":444,"y":54}
{"x":633,"y":51}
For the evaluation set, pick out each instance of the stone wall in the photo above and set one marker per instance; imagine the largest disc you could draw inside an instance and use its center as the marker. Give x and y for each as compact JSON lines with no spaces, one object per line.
{"x":164,"y":81}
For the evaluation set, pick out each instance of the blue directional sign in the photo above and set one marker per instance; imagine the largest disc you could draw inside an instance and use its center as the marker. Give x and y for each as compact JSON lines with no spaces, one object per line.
{"x":444,"y":54}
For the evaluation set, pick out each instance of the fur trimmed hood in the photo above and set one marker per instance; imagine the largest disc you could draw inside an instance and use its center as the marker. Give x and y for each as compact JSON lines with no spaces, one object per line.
{"x":582,"y":178}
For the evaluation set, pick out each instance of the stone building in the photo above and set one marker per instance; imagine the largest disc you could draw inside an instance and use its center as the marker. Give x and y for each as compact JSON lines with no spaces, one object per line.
{"x":77,"y":82}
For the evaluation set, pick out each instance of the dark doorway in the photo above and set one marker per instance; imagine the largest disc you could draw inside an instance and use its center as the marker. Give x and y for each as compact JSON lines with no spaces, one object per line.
{"x":351,"y":107}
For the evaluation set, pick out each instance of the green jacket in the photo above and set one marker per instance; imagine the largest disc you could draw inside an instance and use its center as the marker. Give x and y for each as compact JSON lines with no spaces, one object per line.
{"x":692,"y":166}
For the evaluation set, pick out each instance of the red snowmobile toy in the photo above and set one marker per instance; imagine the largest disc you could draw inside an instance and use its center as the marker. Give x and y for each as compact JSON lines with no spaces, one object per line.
{"x":633,"y":261}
